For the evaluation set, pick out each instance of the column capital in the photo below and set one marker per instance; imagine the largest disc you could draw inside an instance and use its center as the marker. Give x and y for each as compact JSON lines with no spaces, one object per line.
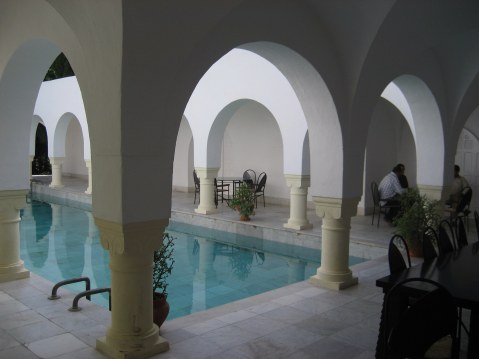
{"x":335,"y":208}
{"x":133,"y":238}
{"x":207,"y":172}
{"x":302,"y":181}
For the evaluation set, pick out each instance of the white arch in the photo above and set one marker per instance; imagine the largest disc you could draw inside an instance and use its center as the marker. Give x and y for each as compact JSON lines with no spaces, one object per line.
{"x":33,"y":131}
{"x":242,"y":75}
{"x":417,"y":104}
{"x":57,"y":99}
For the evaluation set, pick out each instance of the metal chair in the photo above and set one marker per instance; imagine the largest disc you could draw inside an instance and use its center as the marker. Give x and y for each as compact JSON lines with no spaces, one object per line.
{"x":398,"y":254}
{"x":429,"y":240}
{"x":382,"y":208}
{"x":259,"y":190}
{"x":196,"y":180}
{"x":414,"y":328}
{"x":249,"y":177}
{"x":461,"y":234}
{"x":220,"y":190}
{"x":476,"y":221}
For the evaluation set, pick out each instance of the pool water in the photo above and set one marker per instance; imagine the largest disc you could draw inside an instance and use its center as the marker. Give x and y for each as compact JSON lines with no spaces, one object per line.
{"x":60,"y":242}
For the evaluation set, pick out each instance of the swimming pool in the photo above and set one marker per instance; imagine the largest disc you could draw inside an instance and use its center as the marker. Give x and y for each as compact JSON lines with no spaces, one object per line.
{"x":60,"y":242}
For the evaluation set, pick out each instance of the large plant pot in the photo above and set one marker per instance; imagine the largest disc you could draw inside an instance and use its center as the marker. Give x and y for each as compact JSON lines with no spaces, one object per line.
{"x":161,"y":309}
{"x":415,"y":247}
{"x":244,"y":217}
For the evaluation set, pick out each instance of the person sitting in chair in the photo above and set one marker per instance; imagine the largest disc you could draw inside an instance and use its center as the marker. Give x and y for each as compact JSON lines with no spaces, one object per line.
{"x":458,"y":184}
{"x":390,"y":191}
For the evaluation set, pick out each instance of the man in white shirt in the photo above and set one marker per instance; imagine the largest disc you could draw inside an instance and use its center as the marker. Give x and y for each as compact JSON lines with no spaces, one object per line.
{"x":390,"y":190}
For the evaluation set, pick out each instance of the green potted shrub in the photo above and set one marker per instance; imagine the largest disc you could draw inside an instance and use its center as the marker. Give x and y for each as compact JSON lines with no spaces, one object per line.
{"x":162,"y":266}
{"x":417,"y":212}
{"x":243,"y":202}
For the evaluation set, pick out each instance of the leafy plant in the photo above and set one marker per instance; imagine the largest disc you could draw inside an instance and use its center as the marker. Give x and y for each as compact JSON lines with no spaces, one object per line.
{"x":417,"y":212}
{"x":163,"y":264}
{"x":243,"y":200}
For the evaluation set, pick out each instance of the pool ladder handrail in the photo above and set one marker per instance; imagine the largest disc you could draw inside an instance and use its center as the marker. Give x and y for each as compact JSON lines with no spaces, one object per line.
{"x":69,"y":281}
{"x":86,"y":293}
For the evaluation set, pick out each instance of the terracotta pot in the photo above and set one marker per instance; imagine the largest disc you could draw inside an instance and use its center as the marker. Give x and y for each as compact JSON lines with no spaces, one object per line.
{"x":415,"y":248}
{"x":244,"y":218}
{"x":161,"y":308}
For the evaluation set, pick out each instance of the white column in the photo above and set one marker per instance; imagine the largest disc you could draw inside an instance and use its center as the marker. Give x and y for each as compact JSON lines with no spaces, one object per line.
{"x":336,"y":213}
{"x":88,"y":166}
{"x":11,"y":266}
{"x":57,"y":169}
{"x":207,"y":190}
{"x":298,"y":202}
{"x":132,"y":333}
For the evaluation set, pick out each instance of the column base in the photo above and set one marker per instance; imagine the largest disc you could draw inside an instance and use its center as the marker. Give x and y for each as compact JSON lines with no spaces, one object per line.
{"x":298,"y":226}
{"x":161,"y":345}
{"x":206,"y":211}
{"x":336,"y":282}
{"x":8,"y":277}
{"x":57,"y":186}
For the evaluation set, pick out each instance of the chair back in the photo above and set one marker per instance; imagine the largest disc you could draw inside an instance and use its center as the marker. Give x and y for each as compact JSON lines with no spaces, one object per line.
{"x":412,"y":329}
{"x":429,"y":240}
{"x":398,"y":254}
{"x":465,"y":201}
{"x":196,"y":179}
{"x":375,"y":193}
{"x":249,"y":177}
{"x":446,"y":236}
{"x":261,"y":182}
{"x":476,"y":221}
{"x":461,"y":235}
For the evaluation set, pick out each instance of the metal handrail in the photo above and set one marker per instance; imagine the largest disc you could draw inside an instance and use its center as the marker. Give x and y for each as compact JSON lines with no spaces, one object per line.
{"x":69,"y":281}
{"x":87,"y":293}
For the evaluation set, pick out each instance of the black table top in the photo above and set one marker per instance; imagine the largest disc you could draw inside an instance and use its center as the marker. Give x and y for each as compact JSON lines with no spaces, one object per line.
{"x":458,"y":271}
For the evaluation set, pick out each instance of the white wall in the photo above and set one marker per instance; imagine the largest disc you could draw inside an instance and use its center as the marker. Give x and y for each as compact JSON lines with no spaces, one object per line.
{"x":74,"y":163}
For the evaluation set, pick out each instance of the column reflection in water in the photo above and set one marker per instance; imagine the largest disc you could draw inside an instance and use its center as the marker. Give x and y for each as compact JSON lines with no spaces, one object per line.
{"x":37,"y":220}
{"x":296,"y":270}
{"x":205,"y":273}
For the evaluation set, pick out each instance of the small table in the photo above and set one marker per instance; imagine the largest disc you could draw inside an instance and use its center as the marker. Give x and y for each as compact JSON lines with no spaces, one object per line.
{"x":235,"y":181}
{"x":458,"y":271}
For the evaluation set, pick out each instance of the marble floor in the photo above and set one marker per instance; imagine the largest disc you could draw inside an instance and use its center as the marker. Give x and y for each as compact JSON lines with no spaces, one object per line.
{"x":297,"y":321}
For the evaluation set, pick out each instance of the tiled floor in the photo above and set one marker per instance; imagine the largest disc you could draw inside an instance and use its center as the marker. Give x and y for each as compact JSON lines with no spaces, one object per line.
{"x":297,"y":321}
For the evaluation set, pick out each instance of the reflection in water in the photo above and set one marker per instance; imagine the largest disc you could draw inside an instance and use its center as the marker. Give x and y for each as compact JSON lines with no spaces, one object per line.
{"x":60,"y":242}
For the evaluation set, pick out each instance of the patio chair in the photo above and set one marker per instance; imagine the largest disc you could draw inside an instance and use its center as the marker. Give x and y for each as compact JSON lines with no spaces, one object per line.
{"x":220,"y":191}
{"x":447,"y":235}
{"x":429,"y":243}
{"x":461,"y":233}
{"x":249,"y":177}
{"x":259,"y":190}
{"x":463,"y":207}
{"x":424,"y":326}
{"x":196,"y":180}
{"x":398,"y":254}
{"x":382,"y":208}
{"x":476,"y":221}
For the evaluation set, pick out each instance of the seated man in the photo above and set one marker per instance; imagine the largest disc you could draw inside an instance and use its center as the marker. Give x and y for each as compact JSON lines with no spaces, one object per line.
{"x":390,"y":191}
{"x":458,"y":184}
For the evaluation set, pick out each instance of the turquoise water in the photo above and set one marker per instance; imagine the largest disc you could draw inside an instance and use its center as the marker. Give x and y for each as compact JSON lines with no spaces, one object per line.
{"x":60,"y":242}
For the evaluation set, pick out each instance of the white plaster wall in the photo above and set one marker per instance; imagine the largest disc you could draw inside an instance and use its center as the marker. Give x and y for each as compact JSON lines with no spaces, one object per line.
{"x":56,"y":98}
{"x":183,"y":162}
{"x":253,"y":141}
{"x":74,"y":163}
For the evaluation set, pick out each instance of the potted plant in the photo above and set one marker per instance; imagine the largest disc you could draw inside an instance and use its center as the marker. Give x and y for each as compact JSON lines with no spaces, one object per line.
{"x":417,"y":212}
{"x":243,"y":202}
{"x":162,"y":266}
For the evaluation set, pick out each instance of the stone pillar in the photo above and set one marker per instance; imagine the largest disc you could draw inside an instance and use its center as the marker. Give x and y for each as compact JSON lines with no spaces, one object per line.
{"x":298,"y":202}
{"x":11,"y":266}
{"x":334,"y":272}
{"x":88,"y":166}
{"x":57,"y":164}
{"x":132,"y":333}
{"x":207,"y":190}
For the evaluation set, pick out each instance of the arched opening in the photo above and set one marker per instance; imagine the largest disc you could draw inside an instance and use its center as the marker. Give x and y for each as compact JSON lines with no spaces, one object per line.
{"x":41,"y":163}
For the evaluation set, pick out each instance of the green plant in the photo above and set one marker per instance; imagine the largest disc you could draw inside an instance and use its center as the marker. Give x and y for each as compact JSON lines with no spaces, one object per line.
{"x":163,"y":264}
{"x":243,"y":200}
{"x":417,"y":212}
